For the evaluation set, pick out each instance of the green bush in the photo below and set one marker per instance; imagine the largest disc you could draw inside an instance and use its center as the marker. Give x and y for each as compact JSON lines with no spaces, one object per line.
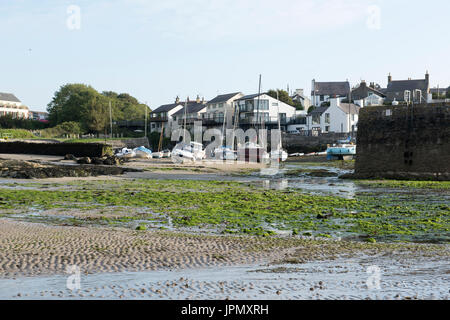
{"x":65,"y":128}
{"x":16,"y":134}
{"x":10,"y":122}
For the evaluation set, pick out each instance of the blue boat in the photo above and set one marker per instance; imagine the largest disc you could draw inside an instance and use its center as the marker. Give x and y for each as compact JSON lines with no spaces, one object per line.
{"x":344,"y":150}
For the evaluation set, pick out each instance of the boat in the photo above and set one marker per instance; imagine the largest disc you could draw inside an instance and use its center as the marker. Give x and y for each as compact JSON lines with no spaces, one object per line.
{"x":343,"y":150}
{"x":126,"y":153}
{"x":279,"y":154}
{"x":143,"y":152}
{"x":251,"y":151}
{"x":224,"y":153}
{"x":192,"y":151}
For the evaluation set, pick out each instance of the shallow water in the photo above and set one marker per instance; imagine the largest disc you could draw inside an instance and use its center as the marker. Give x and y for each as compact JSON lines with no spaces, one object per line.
{"x":357,"y":278}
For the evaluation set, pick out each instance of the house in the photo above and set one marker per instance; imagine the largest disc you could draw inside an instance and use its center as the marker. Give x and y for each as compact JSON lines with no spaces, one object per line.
{"x":396,"y":89}
{"x":10,"y":105}
{"x":364,"y":95}
{"x":38,"y":116}
{"x":190,"y":112}
{"x":258,"y":109}
{"x":338,"y":117}
{"x":218,"y":108}
{"x":299,"y":96}
{"x":322,"y":92}
{"x":163,"y":117}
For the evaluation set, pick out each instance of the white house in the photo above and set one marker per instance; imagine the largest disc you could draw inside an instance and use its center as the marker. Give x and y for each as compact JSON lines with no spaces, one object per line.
{"x":163,"y":117}
{"x":338,"y":117}
{"x":256,"y":109}
{"x":10,"y":105}
{"x":217,"y":108}
{"x":323,"y":91}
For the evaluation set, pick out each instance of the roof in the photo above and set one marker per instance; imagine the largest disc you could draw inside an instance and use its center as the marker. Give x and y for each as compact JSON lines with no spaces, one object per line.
{"x":223,"y":97}
{"x":167,"y":107}
{"x":250,"y":96}
{"x":363,"y":90}
{"x":8,"y":97}
{"x":402,"y":85}
{"x":349,"y":108}
{"x":319,"y":110}
{"x":192,"y":107}
{"x":331,"y":88}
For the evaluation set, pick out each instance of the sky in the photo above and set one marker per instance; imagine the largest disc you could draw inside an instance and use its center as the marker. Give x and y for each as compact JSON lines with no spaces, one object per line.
{"x":157,"y":50}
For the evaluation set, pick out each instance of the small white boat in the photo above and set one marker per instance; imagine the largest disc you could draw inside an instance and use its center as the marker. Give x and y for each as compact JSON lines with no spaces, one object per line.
{"x":126,"y":153}
{"x":192,"y":151}
{"x":279,"y":155}
{"x":224,"y":153}
{"x":166,"y":153}
{"x":143,"y":152}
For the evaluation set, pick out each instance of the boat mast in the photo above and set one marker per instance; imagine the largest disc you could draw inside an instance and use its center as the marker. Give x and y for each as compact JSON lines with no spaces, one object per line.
{"x":161,"y":138}
{"x":223,"y":129}
{"x":185,"y":115}
{"x":279,"y":121}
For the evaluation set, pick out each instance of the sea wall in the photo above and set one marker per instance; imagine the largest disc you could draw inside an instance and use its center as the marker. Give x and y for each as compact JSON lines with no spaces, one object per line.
{"x":401,"y":142}
{"x":56,"y":149}
{"x":298,"y":143}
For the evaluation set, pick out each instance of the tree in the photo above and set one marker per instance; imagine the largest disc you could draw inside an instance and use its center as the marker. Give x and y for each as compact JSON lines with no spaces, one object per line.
{"x":448,"y":93}
{"x":82,"y":103}
{"x":73,"y":102}
{"x":282,"y":96}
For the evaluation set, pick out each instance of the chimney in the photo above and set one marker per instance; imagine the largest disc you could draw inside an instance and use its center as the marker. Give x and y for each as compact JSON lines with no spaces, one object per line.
{"x":427,"y":77}
{"x":389,"y":78}
{"x":177,"y":100}
{"x":198,"y":99}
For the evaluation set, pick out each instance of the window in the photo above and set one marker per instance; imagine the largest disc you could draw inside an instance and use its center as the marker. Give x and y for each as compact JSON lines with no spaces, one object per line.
{"x":353,"y":117}
{"x":316,"y":118}
{"x":327,"y":128}
{"x":322,"y":97}
{"x":327,"y":118}
{"x":220,"y":105}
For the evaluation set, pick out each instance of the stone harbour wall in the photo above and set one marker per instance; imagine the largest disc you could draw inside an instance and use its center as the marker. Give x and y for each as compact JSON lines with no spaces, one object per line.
{"x":404,"y":142}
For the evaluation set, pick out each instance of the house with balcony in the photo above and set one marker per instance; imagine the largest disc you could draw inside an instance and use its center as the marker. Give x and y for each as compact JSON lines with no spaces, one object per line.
{"x":190,"y":112}
{"x":338,"y":117}
{"x":220,"y":107}
{"x":261,"y":109}
{"x":163,"y":117}
{"x":322,"y":92}
{"x":10,"y":105}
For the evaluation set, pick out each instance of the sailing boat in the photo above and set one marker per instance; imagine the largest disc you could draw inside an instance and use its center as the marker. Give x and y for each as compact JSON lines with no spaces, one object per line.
{"x":192,"y":151}
{"x":279,"y":154}
{"x":224,"y":152}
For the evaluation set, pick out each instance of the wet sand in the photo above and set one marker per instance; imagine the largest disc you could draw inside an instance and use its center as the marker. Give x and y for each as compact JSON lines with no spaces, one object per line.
{"x":122,"y":264}
{"x":30,"y":249}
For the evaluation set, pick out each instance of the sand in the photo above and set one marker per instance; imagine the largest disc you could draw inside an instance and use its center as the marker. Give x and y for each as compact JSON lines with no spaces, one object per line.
{"x":35,"y":249}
